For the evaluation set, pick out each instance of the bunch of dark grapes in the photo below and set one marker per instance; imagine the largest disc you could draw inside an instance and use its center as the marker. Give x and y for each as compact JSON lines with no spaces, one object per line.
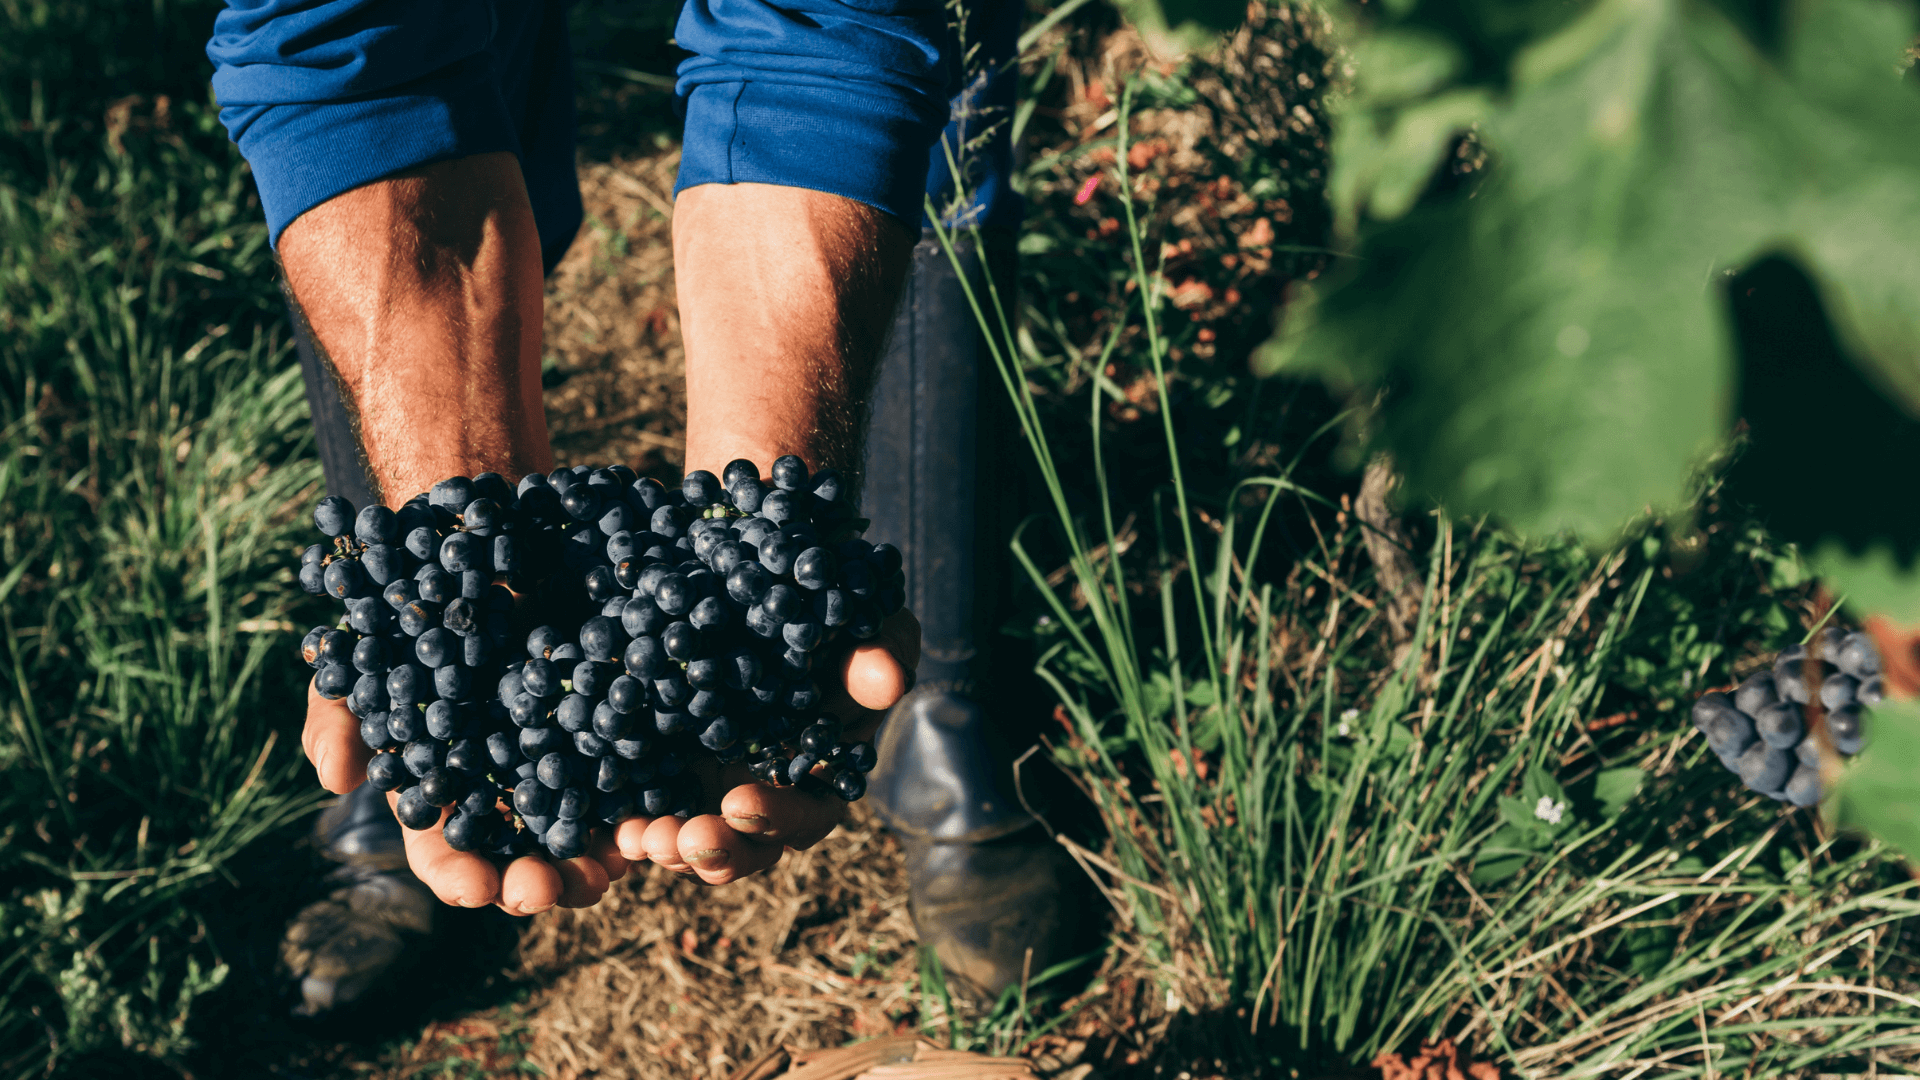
{"x":668,"y":627}
{"x":1761,"y":733}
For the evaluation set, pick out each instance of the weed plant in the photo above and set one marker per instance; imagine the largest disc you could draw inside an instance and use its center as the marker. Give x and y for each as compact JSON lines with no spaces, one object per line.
{"x":1324,"y":844}
{"x":152,"y":461}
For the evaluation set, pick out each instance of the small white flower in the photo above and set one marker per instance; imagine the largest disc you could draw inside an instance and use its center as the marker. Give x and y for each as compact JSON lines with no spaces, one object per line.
{"x":1345,"y":730}
{"x":1349,"y":716}
{"x":1549,"y":811}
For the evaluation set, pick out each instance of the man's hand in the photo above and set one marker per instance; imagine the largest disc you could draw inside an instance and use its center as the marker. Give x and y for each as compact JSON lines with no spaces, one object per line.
{"x":529,"y":885}
{"x":751,"y":823}
{"x":743,"y":832}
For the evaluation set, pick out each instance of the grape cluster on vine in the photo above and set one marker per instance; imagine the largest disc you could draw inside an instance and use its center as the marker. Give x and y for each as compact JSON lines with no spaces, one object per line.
{"x":1761,"y":732}
{"x":556,"y":656}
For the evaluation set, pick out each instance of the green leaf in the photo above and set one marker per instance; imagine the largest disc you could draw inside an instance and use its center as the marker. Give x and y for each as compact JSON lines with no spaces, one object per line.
{"x":1613,"y":788}
{"x":1877,"y":791}
{"x":1554,"y":343}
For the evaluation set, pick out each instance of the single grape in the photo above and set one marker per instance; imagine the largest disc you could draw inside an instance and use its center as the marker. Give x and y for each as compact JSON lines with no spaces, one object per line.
{"x":1844,"y":727}
{"x":541,"y":677}
{"x":602,"y":639}
{"x":789,"y":473}
{"x":567,"y":839}
{"x":1764,"y":768}
{"x":386,"y":772}
{"x":1793,"y":677}
{"x":820,"y":738}
{"x":1857,"y":656}
{"x":443,"y":786}
{"x":1780,"y":725}
{"x":414,"y":811}
{"x":826,"y":485}
{"x":503,"y":750}
{"x":532,"y":800}
{"x":437,"y":587}
{"x":313,"y":579}
{"x":466,"y":832}
{"x":452,"y":494}
{"x":1803,"y":787}
{"x":553,"y":770}
{"x":536,"y":743}
{"x":574,"y":713}
{"x":862,"y":756}
{"x":334,"y":681}
{"x":1839,"y":690}
{"x":422,"y":756}
{"x":849,"y":784}
{"x":333,"y":516}
{"x":1870,"y":692}
{"x":680,"y":640}
{"x":373,"y":731}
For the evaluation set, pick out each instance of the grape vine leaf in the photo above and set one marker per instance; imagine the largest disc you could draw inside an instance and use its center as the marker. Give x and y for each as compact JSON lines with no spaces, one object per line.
{"x":1553,"y":341}
{"x":1876,"y":792}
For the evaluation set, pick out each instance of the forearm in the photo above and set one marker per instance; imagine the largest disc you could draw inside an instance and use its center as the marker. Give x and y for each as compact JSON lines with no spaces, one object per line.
{"x":424,"y":291}
{"x":786,"y":295}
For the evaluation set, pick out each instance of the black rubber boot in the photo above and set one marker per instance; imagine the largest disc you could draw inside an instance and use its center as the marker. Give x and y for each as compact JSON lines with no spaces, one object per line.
{"x":990,"y":891}
{"x":338,"y":948}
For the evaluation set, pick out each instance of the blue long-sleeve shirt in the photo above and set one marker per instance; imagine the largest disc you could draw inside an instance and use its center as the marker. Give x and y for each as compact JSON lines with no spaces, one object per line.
{"x":322,"y":96}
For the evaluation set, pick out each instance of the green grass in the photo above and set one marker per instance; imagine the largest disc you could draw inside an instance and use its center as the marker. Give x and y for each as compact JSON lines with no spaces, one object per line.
{"x":1445,"y":838}
{"x":153,"y":462}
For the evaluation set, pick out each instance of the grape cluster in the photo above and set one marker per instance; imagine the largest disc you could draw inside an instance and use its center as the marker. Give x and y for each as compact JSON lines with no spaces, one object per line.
{"x":668,"y":626}
{"x":1760,"y":732}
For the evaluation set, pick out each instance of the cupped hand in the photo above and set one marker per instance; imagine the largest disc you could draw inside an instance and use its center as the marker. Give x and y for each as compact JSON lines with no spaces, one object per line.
{"x":530,"y":884}
{"x":745,"y":832}
{"x":752,"y":824}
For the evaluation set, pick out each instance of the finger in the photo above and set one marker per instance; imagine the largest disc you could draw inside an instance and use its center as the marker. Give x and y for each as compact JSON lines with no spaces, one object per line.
{"x":456,"y":877}
{"x":719,"y":855}
{"x":784,"y":815}
{"x":873,"y":676}
{"x":628,"y":835}
{"x":662,"y":844}
{"x":331,"y":739}
{"x":530,"y":886}
{"x":582,"y":882}
{"x":606,"y":851}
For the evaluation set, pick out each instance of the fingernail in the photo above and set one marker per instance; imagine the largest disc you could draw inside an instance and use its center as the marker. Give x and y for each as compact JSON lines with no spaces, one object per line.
{"x":469,"y":902}
{"x":747,"y":823}
{"x":535,"y":910}
{"x":709,"y":858}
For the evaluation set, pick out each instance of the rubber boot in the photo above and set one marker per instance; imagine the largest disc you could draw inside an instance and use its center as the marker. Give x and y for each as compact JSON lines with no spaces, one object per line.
{"x":989,"y":891}
{"x":338,"y":948}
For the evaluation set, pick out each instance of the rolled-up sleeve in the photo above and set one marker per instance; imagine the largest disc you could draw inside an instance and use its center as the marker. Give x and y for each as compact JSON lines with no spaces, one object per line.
{"x":323,"y":96}
{"x":841,"y":96}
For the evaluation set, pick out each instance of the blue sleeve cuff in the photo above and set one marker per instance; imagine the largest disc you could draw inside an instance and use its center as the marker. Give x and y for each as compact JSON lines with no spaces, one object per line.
{"x":305,"y":153}
{"x":871,"y":148}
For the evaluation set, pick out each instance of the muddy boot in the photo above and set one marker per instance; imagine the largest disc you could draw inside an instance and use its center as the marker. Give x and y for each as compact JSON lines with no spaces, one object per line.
{"x":991,"y":892}
{"x":340,"y":947}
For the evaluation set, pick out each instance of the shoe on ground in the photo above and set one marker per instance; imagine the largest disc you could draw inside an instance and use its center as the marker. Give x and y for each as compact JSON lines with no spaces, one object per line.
{"x":990,"y":891}
{"x":340,"y":947}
